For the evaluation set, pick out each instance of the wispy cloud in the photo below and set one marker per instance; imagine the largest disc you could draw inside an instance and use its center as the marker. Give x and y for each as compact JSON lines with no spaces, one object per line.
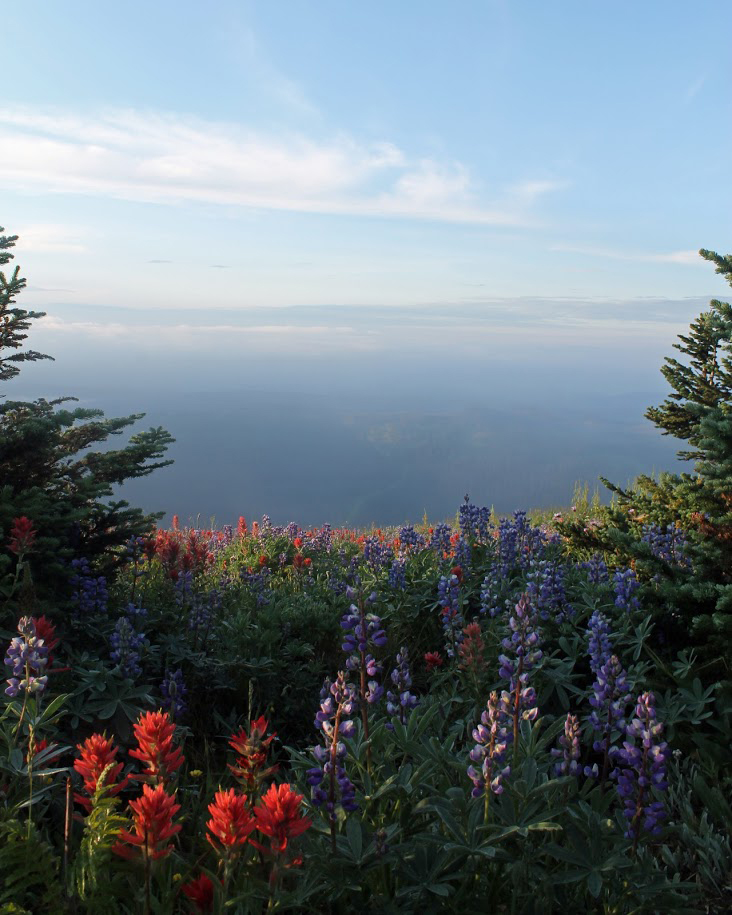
{"x":671,"y":257}
{"x":50,"y":237}
{"x":165,"y":158}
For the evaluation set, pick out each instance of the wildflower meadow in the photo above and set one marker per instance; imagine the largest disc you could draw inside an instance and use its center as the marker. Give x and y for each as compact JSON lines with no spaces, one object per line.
{"x":480,"y":714}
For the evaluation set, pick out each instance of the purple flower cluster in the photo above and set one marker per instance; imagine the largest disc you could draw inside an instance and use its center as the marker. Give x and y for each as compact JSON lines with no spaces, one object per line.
{"x":626,"y":584}
{"x":545,"y":587}
{"x":322,"y":539}
{"x":522,"y":653}
{"x":27,"y":657}
{"x":90,"y":592}
{"x":609,"y":701}
{"x":398,"y":575}
{"x":203,"y":607}
{"x":363,"y":632}
{"x":259,"y":585}
{"x":410,"y":540}
{"x":338,"y":702}
{"x":598,"y":638}
{"x":475,"y":523}
{"x":667,"y":543}
{"x":491,"y":738}
{"x":642,"y":770}
{"x":570,"y":751}
{"x":126,"y":643}
{"x":463,"y":553}
{"x":596,"y":569}
{"x":440,"y":540}
{"x":448,"y":597}
{"x":174,"y":690}
{"x":377,"y":554}
{"x":401,"y":701}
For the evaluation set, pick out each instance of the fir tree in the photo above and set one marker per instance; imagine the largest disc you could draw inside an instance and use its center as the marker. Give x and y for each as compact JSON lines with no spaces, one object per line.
{"x":49,"y":471}
{"x":693,"y":604}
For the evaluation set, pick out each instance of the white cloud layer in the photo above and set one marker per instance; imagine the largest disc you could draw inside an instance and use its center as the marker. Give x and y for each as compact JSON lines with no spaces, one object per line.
{"x":158,"y":157}
{"x":671,"y":257}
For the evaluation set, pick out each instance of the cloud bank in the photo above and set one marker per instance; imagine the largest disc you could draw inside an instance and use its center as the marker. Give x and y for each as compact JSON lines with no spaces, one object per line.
{"x":164,"y":157}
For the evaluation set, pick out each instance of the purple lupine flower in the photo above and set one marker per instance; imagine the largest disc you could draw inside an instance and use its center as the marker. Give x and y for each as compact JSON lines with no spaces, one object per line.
{"x":570,"y":751}
{"x":475,"y":523}
{"x":27,"y":657}
{"x":609,"y":701}
{"x":126,"y":642}
{"x":440,"y":540}
{"x":522,"y":653}
{"x":173,"y":690}
{"x":642,"y":771}
{"x":401,"y":701}
{"x":183,"y":588}
{"x":598,"y":637}
{"x":626,"y":584}
{"x":668,"y":544}
{"x":490,"y":593}
{"x":545,"y":587}
{"x":376,"y":553}
{"x":448,"y":597}
{"x":491,"y":738}
{"x":90,"y":593}
{"x":463,"y":553}
{"x":363,"y":631}
{"x":596,"y":569}
{"x":398,"y":575}
{"x":410,"y":540}
{"x":338,"y":702}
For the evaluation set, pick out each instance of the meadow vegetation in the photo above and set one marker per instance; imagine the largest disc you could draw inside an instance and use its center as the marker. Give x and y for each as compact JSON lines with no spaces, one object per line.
{"x":511,"y":715}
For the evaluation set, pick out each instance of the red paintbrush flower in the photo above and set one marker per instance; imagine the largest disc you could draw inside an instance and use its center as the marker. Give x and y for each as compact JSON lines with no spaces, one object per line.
{"x":241,"y":528}
{"x":457,"y":572}
{"x":251,"y":754}
{"x":231,"y":821}
{"x":22,"y":536}
{"x":472,"y":649}
{"x":279,"y":816}
{"x":152,"y":816}
{"x":433,"y":660}
{"x":97,"y":752}
{"x":154,"y":732}
{"x":201,"y":893}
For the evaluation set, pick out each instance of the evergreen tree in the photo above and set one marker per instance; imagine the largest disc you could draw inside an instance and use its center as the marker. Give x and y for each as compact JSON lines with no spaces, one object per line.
{"x":49,"y":471}
{"x":694,"y":604}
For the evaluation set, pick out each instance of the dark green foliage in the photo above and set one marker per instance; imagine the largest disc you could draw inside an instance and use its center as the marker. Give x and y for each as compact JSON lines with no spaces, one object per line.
{"x":49,"y":472}
{"x":692,"y":605}
{"x":13,"y":321}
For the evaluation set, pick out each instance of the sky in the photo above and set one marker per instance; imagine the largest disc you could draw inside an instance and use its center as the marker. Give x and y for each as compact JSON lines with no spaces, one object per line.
{"x":422,"y":209}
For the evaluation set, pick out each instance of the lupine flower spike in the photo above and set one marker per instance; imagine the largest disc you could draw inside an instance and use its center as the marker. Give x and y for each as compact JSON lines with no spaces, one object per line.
{"x":642,"y":771}
{"x":523,"y":643}
{"x":402,"y":700}
{"x":491,"y":738}
{"x":338,"y":703}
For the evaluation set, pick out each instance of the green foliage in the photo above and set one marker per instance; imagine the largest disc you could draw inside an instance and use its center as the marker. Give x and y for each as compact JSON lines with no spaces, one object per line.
{"x":29,"y":869}
{"x":91,"y":873}
{"x":48,"y":470}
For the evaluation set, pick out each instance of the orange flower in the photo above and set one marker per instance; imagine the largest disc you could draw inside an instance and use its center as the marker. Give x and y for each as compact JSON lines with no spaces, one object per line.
{"x":154,"y":732}
{"x":97,"y":752}
{"x":279,"y":816}
{"x":201,"y":893}
{"x":231,"y":822}
{"x":153,"y":824}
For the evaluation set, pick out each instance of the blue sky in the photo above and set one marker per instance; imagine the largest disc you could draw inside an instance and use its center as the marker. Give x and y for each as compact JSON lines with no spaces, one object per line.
{"x":388,"y":154}
{"x":202,"y":189}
